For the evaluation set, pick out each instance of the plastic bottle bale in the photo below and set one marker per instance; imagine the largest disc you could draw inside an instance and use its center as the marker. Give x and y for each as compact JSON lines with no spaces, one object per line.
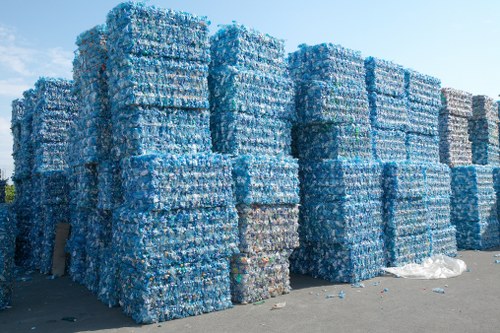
{"x":484,"y":107}
{"x":344,"y":263}
{"x":330,"y":141}
{"x":437,"y":179}
{"x":76,"y":244}
{"x":324,"y":102}
{"x":233,"y":89}
{"x":387,"y":112}
{"x":148,"y":31}
{"x":423,"y":118}
{"x":421,"y":88}
{"x":455,"y":147}
{"x":341,"y":180}
{"x":456,"y":102}
{"x":444,"y":241}
{"x":389,"y":145}
{"x":238,"y":133}
{"x":153,"y":292}
{"x":385,"y":77}
{"x":267,"y":228}
{"x":7,"y":250}
{"x":242,"y":47}
{"x":108,"y":179}
{"x":405,"y":217}
{"x":408,"y":249}
{"x":178,"y":237}
{"x":166,"y":182}
{"x":474,"y":207}
{"x":161,"y":131}
{"x":260,"y":276}
{"x":330,"y":63}
{"x":403,"y":180}
{"x":485,"y":139}
{"x":342,"y":222}
{"x":83,"y":186}
{"x":422,"y":148}
{"x":266,"y":180}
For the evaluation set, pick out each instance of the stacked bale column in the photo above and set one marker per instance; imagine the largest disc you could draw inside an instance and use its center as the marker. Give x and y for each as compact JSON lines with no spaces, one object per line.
{"x":483,"y":131}
{"x":252,"y":107}
{"x":52,"y":119}
{"x":7,"y":250}
{"x":473,"y":199}
{"x":175,"y":229}
{"x":90,"y":152}
{"x":340,"y":226}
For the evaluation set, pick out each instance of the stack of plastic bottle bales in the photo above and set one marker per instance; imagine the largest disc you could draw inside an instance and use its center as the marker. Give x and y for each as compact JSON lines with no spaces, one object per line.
{"x":175,"y":232}
{"x":388,"y":109}
{"x":90,"y":151}
{"x":21,"y":125}
{"x":455,"y":147}
{"x":52,"y":118}
{"x":7,"y":249}
{"x":252,"y":109}
{"x":473,"y":200}
{"x":483,"y":131}
{"x":340,"y":226}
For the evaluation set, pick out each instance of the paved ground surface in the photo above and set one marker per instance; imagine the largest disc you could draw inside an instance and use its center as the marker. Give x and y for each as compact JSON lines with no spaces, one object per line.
{"x":471,"y":303}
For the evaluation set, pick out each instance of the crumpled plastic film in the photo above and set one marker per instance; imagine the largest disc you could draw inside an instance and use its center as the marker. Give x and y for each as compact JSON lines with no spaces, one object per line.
{"x":330,"y":63}
{"x":260,"y":276}
{"x":266,"y":180}
{"x":389,"y":145}
{"x":324,"y":102}
{"x":474,"y":206}
{"x":330,"y":141}
{"x":155,"y":131}
{"x":178,"y":237}
{"x":348,"y":263}
{"x":384,"y":77}
{"x":238,"y":133}
{"x":444,"y":241}
{"x":267,"y":228}
{"x":7,"y":250}
{"x":423,"y":119}
{"x":242,"y":47}
{"x":422,"y":148}
{"x":387,"y":112}
{"x":138,"y":29}
{"x":421,"y":88}
{"x":164,"y":182}
{"x":234,"y":89}
{"x":172,"y":292}
{"x":343,"y":180}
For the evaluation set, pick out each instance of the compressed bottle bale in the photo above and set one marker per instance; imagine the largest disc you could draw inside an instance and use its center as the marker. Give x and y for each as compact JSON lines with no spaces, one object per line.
{"x":76,"y":244}
{"x":7,"y":250}
{"x":178,"y":237}
{"x":408,"y":249}
{"x":405,"y":217}
{"x":266,"y":180}
{"x":474,"y":207}
{"x":323,"y":102}
{"x":456,"y":102}
{"x":437,"y":180}
{"x":238,"y":46}
{"x":161,"y":131}
{"x":173,"y":292}
{"x":484,"y":107}
{"x":387,"y":112}
{"x":421,"y":88}
{"x":444,"y":241}
{"x":165,"y":182}
{"x":345,"y":263}
{"x":238,"y":133}
{"x":330,"y":141}
{"x":83,"y":186}
{"x":341,"y":180}
{"x":108,"y":185}
{"x":384,"y":77}
{"x":267,"y":228}
{"x":330,"y":63}
{"x":455,"y":148}
{"x":147,"y":31}
{"x":422,"y":148}
{"x":23,"y":165}
{"x":233,"y":89}
{"x":260,"y":276}
{"x":340,"y":221}
{"x":485,"y":140}
{"x":403,"y":180}
{"x":423,"y":118}
{"x":389,"y":145}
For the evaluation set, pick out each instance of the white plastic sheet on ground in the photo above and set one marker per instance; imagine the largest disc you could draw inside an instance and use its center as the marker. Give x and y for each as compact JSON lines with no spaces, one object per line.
{"x":435,"y":267}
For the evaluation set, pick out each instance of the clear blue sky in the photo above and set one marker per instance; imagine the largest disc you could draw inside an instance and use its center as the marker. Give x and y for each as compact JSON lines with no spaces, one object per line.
{"x":457,"y":41}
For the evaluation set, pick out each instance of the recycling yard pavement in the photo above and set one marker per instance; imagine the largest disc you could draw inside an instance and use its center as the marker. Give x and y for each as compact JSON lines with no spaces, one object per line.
{"x":470,"y":303}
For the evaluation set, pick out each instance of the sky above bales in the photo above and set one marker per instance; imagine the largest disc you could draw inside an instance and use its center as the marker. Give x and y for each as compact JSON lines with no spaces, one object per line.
{"x":454,"y":40}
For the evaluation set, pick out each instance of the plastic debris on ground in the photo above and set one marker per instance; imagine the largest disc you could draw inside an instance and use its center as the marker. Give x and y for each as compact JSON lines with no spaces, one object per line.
{"x":435,"y":267}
